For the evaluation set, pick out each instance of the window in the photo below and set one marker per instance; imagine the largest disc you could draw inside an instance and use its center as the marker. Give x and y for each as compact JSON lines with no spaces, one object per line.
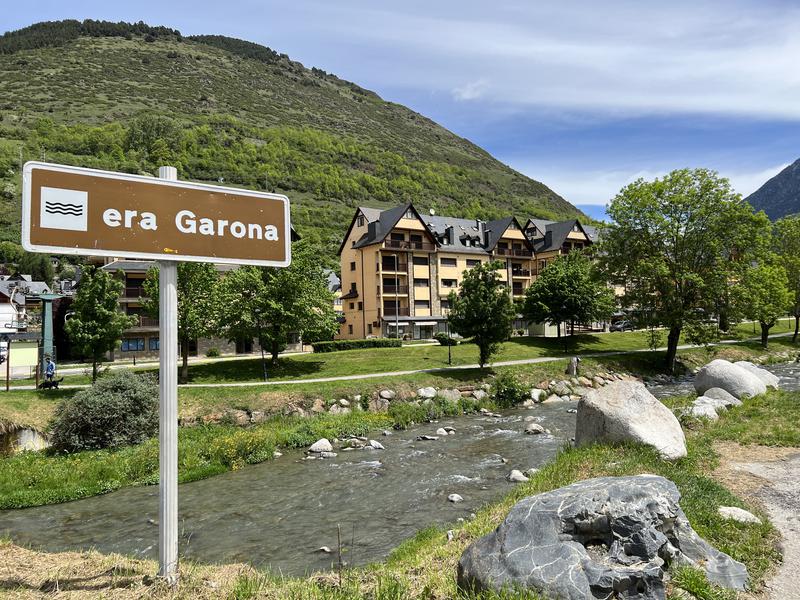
{"x":353,"y":266}
{"x":352,"y":286}
{"x":398,"y":237}
{"x":360,"y":220}
{"x":575,"y":228}
{"x":421,"y":261}
{"x":350,"y":329}
{"x":360,"y":306}
{"x":369,"y":327}
{"x":337,"y":302}
{"x":422,"y":304}
{"x":445,"y":304}
{"x":410,"y":214}
{"x":152,"y":343}
{"x":473,"y":262}
{"x":132,"y":344}
{"x":449,"y":283}
{"x":512,"y":225}
{"x":542,"y":265}
{"x":414,"y":237}
{"x":421,"y":282}
{"x":448,"y":262}
{"x":352,"y":305}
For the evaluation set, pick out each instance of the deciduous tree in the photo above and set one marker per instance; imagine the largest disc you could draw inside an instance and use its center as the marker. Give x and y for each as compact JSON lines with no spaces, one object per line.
{"x":567,"y":291}
{"x":197,"y":305}
{"x":482,"y":309}
{"x":764,"y":295}
{"x":673,"y":245}
{"x":96,"y":324}
{"x":787,"y":246}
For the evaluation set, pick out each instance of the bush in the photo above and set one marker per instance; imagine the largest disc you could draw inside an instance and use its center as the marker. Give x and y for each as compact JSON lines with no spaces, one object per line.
{"x":121,"y":409}
{"x":212,"y":353}
{"x":508,"y":390}
{"x":337,"y":345}
{"x":445,"y":340}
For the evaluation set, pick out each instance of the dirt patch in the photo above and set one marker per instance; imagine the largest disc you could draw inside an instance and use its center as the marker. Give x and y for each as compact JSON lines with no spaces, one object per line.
{"x":29,"y":574}
{"x":770,"y":477}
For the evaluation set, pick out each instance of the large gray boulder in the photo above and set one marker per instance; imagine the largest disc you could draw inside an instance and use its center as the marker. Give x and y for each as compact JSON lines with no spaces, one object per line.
{"x":732,"y":378}
{"x":725,"y":398}
{"x":611,"y":537}
{"x":768,"y":378}
{"x":625,"y":411}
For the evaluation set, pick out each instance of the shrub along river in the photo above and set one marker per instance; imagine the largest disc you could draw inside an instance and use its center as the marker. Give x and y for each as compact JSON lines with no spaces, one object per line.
{"x":279,"y":513}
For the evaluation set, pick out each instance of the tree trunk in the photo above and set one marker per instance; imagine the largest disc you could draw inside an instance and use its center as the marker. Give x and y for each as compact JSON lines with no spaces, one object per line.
{"x":724,"y":322}
{"x":765,"y":334}
{"x":572,"y":327}
{"x":796,"y":328}
{"x":94,"y":370}
{"x":672,"y":348}
{"x":184,"y":378}
{"x":275,"y":350}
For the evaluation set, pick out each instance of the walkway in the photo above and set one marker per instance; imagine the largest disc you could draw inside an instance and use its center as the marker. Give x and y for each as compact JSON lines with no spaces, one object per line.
{"x":505,"y":363}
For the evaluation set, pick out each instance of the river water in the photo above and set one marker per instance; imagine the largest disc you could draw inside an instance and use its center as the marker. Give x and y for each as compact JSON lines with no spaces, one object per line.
{"x":279,"y":513}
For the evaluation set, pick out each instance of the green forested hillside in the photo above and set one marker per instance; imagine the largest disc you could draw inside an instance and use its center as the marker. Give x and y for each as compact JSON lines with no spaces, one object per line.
{"x":133,"y":97}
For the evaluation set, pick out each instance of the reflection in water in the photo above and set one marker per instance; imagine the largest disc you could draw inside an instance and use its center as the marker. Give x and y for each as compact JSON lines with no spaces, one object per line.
{"x":280,"y":512}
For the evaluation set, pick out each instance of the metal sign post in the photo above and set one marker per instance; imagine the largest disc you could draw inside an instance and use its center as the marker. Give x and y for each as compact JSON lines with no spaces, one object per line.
{"x":168,"y":412}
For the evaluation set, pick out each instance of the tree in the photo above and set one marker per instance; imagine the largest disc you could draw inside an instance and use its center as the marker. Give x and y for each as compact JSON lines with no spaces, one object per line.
{"x":269,"y":304}
{"x":38,"y":266}
{"x":197,"y":305}
{"x":765,"y":296}
{"x":568,"y":292}
{"x":96,"y":324}
{"x":482,"y":309}
{"x":10,"y":252}
{"x":787,"y":246}
{"x":673,"y":245}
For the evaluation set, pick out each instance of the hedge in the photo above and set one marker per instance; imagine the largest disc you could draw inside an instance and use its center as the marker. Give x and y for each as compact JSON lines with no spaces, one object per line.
{"x":337,"y":345}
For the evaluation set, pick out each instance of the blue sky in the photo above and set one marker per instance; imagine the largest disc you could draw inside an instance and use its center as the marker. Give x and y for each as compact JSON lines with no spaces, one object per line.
{"x":581,"y":95}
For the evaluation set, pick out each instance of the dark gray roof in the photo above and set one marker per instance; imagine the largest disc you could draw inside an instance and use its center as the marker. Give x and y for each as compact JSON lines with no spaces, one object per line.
{"x":495,"y":229}
{"x":463,"y":231}
{"x":556,"y":233}
{"x":380,"y":225}
{"x":24,"y":287}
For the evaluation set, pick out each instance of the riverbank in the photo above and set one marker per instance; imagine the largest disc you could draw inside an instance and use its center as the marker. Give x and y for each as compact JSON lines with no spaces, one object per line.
{"x":425,"y":566}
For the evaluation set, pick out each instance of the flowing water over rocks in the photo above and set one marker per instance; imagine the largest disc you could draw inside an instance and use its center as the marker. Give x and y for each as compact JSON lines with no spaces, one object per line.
{"x":279,"y":513}
{"x":788,"y":373}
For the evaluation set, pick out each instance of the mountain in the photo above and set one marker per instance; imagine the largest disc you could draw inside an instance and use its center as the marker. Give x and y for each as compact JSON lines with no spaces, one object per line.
{"x":130,"y":97}
{"x":780,"y":196}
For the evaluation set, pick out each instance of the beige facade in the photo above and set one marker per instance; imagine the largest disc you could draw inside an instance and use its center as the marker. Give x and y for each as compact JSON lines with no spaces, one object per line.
{"x":398,"y":267}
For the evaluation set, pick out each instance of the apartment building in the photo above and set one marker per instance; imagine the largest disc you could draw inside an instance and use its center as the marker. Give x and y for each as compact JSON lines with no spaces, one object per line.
{"x":398,"y":266}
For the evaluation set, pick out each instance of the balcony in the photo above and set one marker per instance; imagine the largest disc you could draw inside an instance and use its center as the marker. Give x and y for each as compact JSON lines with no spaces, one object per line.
{"x":133,"y":292}
{"x":143,"y":321}
{"x":395,"y":289}
{"x":513,"y":252}
{"x":391,"y":267}
{"x":517,"y":291}
{"x":391,"y":311}
{"x":404,"y":245}
{"x":520,"y":273}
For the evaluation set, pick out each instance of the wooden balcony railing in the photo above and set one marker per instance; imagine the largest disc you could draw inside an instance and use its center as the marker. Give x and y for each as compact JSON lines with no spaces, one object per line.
{"x":394,"y":268}
{"x":520,"y":273}
{"x":391,"y":311}
{"x":144,"y":321}
{"x":395,"y":289}
{"x":134,"y":292}
{"x":513,"y":252}
{"x":406,"y":245}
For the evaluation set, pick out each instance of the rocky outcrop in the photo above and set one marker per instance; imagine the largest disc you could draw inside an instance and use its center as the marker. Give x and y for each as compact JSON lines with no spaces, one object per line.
{"x":625,"y":411}
{"x":732,"y":378}
{"x":599,"y":538}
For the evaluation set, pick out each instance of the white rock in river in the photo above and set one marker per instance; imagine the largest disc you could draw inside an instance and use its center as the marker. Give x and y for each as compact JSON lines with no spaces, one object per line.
{"x":327,"y":454}
{"x":537,"y":394}
{"x":530,"y":472}
{"x":516,"y":477}
{"x":534,"y":429}
{"x":441,"y":431}
{"x":552,"y":398}
{"x":455,"y":498}
{"x":735,"y":513}
{"x":375,"y":444}
{"x":625,"y":411}
{"x":324,"y":549}
{"x":426,"y":392}
{"x":450,"y":430}
{"x":769,"y":379}
{"x":321,"y":445}
{"x":732,"y":378}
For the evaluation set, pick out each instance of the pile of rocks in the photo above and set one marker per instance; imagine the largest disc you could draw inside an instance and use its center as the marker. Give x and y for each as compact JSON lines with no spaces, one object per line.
{"x":722,"y":384}
{"x":571,"y":389}
{"x":323,"y":448}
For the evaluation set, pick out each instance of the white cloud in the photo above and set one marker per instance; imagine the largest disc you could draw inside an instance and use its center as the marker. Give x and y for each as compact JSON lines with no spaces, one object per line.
{"x":600,"y":187}
{"x":721,"y":57}
{"x":471,"y":91}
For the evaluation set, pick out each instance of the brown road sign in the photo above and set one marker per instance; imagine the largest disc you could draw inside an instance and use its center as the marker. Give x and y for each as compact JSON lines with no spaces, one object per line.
{"x":71,"y":210}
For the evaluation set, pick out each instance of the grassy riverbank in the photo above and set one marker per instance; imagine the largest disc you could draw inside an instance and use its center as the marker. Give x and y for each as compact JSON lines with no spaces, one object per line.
{"x":424,"y":567}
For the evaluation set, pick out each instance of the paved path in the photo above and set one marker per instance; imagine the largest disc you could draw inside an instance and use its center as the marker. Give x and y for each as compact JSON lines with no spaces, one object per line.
{"x":505,"y":363}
